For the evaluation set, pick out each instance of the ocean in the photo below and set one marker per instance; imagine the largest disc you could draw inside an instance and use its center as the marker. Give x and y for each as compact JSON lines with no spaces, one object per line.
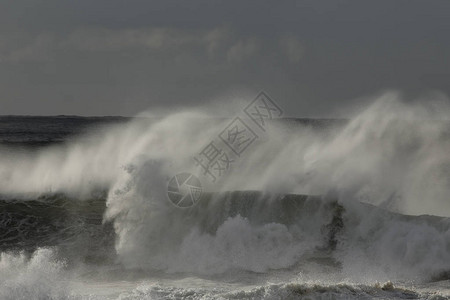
{"x":305,"y":209}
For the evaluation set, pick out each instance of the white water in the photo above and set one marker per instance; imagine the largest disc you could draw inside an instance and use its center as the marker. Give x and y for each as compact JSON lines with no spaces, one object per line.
{"x":391,"y":155}
{"x":390,"y":152}
{"x":43,"y":277}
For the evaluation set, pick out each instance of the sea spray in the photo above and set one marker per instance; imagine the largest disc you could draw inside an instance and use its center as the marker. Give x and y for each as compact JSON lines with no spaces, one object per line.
{"x":392,"y":155}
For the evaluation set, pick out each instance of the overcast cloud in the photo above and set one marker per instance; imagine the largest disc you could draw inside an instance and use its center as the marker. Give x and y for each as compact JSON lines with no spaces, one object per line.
{"x":120,"y":57}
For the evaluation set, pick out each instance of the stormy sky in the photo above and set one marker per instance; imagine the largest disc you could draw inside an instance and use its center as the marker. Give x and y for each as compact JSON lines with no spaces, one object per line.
{"x":315,"y":58}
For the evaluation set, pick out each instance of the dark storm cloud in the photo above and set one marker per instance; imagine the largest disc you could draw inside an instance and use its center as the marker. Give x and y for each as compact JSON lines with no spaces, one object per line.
{"x":119,"y":57}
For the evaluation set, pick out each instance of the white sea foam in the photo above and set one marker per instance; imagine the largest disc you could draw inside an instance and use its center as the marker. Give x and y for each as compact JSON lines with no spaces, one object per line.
{"x":40,"y":276}
{"x":392,"y":155}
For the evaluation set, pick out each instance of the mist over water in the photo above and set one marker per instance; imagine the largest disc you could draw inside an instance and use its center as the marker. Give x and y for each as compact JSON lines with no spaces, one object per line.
{"x":392,"y":156}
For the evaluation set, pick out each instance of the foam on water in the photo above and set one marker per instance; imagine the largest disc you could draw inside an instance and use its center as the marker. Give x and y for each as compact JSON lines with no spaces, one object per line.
{"x":40,"y":276}
{"x":391,"y":155}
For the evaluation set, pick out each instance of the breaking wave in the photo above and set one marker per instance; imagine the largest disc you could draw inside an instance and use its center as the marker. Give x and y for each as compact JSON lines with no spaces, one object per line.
{"x":371,"y":193}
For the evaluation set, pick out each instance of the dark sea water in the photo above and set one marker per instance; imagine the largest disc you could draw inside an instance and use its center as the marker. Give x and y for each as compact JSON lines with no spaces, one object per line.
{"x":42,"y":131}
{"x":78,"y":222}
